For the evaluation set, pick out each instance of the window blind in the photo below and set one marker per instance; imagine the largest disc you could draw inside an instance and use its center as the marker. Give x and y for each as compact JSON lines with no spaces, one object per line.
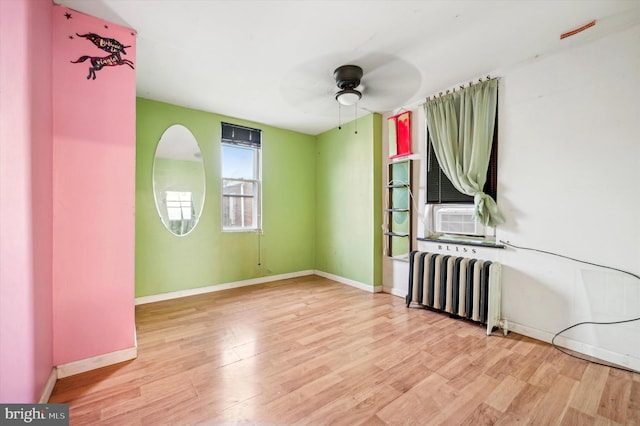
{"x":441,"y":190}
{"x":242,"y":136}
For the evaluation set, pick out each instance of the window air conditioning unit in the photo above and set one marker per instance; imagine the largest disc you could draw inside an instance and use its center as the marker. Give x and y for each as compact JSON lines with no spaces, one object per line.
{"x":457,"y":219}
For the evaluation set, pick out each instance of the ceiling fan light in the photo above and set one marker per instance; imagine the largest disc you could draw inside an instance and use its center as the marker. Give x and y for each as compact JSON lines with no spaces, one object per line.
{"x":348,"y":96}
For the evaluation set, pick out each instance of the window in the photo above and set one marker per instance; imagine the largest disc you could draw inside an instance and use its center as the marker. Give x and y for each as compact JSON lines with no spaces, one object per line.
{"x":441,"y":190}
{"x":449,"y":211}
{"x":180,"y":211}
{"x":241,"y":178}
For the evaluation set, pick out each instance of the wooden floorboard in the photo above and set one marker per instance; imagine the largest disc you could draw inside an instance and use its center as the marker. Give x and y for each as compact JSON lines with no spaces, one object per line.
{"x":311,"y":351}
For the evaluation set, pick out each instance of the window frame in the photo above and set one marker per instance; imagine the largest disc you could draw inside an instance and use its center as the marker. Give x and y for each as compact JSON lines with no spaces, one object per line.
{"x":255,"y":146}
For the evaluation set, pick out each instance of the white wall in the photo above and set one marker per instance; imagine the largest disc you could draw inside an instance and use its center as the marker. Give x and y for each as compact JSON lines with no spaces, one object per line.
{"x":569,"y":176}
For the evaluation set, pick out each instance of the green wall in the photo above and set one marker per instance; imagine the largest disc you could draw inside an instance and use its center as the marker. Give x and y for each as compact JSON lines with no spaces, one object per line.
{"x":348,"y":199}
{"x":207,"y":256}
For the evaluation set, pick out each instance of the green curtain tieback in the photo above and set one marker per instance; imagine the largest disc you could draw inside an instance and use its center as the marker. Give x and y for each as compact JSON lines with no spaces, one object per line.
{"x":487,"y":210}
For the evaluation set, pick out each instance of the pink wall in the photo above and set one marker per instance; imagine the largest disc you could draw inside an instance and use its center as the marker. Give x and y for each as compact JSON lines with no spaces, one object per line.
{"x":67,"y":247}
{"x":25,"y":199}
{"x":93,"y":191}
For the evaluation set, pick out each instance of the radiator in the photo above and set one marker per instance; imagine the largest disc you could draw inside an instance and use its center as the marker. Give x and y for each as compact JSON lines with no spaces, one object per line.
{"x":463,"y":287}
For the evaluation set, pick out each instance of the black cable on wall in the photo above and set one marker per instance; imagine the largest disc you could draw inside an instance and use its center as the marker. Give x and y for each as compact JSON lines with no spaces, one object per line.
{"x":508,"y":244}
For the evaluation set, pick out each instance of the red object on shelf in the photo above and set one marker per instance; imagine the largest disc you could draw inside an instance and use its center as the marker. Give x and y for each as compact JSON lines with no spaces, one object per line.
{"x":400,"y":134}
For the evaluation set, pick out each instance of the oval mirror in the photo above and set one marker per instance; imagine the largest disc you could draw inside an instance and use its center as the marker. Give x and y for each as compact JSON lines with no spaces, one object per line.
{"x":178,"y":180}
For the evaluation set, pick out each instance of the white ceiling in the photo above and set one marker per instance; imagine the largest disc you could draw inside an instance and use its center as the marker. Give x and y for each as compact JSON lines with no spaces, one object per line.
{"x":272,"y":62}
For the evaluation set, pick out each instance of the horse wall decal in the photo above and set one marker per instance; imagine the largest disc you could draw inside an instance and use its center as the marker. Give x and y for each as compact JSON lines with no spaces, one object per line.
{"x":97,"y":63}
{"x":110,"y":45}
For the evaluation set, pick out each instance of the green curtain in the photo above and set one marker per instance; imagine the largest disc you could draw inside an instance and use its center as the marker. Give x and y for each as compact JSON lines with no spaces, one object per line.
{"x":461,"y":127}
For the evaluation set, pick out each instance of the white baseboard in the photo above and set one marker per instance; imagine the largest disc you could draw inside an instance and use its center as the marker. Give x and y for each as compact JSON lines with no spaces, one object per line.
{"x":623,"y":360}
{"x":48,"y":386}
{"x":395,"y":291}
{"x":347,"y":281}
{"x":83,"y":365}
{"x":218,"y":287}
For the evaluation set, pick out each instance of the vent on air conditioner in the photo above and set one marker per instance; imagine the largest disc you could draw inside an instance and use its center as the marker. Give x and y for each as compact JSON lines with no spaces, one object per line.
{"x":457,"y":220}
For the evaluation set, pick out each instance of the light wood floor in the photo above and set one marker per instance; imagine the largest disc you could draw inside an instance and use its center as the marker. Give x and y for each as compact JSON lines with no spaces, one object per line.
{"x":311,"y":351}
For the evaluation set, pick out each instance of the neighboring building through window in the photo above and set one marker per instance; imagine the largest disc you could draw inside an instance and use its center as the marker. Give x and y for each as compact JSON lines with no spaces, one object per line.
{"x":241,"y":178}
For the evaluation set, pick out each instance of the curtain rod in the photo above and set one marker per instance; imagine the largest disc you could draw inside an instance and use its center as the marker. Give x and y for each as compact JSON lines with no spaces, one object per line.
{"x":419,"y":103}
{"x":448,"y":91}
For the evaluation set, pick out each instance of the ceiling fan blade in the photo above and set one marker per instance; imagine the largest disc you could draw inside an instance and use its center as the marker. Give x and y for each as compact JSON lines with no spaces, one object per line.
{"x":310,"y":86}
{"x":387,"y":83}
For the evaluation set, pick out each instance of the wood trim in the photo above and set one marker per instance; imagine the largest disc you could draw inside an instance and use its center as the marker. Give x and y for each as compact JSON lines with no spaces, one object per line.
{"x":88,"y":364}
{"x":218,"y":287}
{"x":48,"y":387}
{"x":352,"y":283}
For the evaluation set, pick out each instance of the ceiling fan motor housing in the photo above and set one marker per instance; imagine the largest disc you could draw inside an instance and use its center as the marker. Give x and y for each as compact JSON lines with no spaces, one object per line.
{"x":348,"y":76}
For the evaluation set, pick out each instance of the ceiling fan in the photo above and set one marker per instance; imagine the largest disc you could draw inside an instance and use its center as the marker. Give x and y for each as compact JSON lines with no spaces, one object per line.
{"x":379,"y":82}
{"x":348,"y":80}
